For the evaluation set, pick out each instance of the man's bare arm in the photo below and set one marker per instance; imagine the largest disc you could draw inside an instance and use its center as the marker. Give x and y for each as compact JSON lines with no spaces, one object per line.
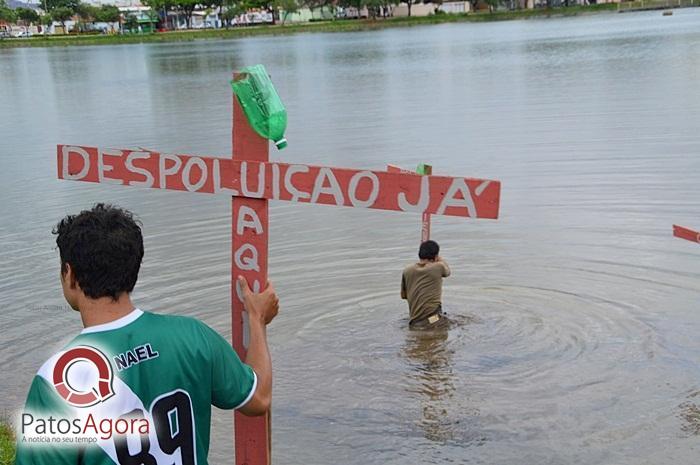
{"x":261,"y":308}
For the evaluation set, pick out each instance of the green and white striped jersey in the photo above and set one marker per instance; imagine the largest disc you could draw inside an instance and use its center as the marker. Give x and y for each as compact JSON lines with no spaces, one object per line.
{"x":164,"y":370}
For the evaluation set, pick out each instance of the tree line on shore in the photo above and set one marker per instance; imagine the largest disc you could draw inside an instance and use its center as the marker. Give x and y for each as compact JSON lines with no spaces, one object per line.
{"x":280,"y":9}
{"x":61,"y":11}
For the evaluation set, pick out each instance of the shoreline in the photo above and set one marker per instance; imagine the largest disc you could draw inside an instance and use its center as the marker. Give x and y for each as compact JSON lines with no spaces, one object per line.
{"x":287,"y":29}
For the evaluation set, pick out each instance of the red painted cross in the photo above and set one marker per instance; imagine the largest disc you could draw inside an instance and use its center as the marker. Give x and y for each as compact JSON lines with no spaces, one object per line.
{"x":423,"y":169}
{"x":251,"y":180}
{"x":685,"y":233}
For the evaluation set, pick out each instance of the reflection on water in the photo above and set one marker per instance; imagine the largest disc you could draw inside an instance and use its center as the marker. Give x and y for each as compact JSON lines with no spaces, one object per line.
{"x":432,"y":380}
{"x":580,"y":341}
{"x":446,"y":413}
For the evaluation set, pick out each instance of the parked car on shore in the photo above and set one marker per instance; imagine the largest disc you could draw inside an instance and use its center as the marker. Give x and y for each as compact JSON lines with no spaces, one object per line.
{"x":21,"y":34}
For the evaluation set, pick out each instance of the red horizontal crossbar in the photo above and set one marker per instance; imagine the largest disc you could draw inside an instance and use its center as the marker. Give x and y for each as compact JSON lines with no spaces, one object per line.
{"x":685,"y":233}
{"x":440,"y":195}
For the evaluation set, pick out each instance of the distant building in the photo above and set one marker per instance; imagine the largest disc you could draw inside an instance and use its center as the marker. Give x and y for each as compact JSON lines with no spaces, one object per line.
{"x":417,"y":9}
{"x":304,"y":15}
{"x":252,"y":18}
{"x":352,"y":13}
{"x":455,"y":7}
{"x":145,"y":17}
{"x":118,"y":3}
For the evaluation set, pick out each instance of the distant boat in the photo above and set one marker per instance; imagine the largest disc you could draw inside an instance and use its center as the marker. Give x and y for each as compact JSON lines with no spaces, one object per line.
{"x":667,"y":13}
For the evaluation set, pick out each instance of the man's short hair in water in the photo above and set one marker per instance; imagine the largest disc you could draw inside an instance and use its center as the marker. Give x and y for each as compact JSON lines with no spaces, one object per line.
{"x":428,"y":250}
{"x":104,"y":248}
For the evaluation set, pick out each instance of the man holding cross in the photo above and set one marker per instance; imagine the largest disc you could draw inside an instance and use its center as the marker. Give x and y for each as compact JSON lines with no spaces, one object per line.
{"x":135,"y":387}
{"x":251,"y":180}
{"x":421,"y":286}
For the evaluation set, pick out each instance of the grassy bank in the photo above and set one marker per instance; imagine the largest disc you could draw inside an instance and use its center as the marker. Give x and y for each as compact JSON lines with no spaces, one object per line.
{"x":643,"y":5}
{"x":7,"y":443}
{"x":328,"y":26}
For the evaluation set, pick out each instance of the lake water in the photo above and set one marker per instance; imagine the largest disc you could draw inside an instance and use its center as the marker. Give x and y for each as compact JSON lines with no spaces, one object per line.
{"x":577,"y":337}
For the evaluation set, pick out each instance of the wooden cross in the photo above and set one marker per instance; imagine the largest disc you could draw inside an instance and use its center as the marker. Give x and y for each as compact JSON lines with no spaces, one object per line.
{"x":424,"y":170}
{"x":685,"y":233}
{"x":251,"y":181}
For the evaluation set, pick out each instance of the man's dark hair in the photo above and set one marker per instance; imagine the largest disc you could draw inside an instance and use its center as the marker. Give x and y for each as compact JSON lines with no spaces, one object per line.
{"x":104,"y":248}
{"x":428,"y":250}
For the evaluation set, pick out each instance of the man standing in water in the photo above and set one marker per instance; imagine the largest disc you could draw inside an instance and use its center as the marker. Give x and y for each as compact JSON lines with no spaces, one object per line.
{"x":421,"y":285}
{"x":155,"y":375}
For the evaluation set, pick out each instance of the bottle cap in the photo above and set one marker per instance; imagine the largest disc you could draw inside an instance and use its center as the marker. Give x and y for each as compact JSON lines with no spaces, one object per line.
{"x":280,"y":144}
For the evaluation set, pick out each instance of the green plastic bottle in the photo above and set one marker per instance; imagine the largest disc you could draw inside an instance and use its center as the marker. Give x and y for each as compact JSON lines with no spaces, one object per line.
{"x":261,"y":104}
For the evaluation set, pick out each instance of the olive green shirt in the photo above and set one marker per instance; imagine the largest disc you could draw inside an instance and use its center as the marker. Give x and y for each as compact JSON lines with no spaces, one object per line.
{"x":421,"y":285}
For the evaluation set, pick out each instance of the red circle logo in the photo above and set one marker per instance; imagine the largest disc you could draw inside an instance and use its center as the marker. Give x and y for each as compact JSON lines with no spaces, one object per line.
{"x":83,"y":398}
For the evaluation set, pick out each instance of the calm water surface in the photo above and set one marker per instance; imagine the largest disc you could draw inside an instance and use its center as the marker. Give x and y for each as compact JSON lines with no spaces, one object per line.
{"x":578,"y":321}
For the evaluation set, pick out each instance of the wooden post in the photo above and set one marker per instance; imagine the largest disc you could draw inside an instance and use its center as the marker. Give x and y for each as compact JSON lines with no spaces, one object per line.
{"x":425,"y":170}
{"x":249,"y":234}
{"x":685,"y":233}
